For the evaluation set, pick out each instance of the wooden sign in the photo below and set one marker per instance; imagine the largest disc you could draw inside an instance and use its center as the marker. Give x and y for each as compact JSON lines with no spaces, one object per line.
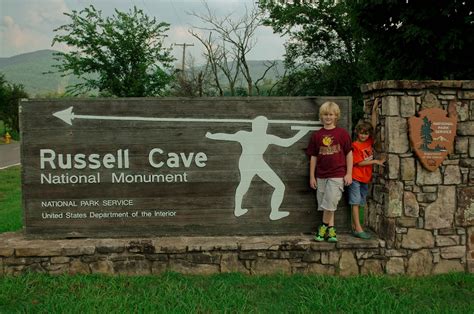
{"x":432,"y":136}
{"x":168,"y":166}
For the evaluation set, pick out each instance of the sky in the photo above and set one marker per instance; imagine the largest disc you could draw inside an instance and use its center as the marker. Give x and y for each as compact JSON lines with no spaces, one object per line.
{"x":27,"y":25}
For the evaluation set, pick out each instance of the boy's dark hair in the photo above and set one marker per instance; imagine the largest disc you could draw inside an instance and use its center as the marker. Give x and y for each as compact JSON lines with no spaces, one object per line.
{"x":364,"y":127}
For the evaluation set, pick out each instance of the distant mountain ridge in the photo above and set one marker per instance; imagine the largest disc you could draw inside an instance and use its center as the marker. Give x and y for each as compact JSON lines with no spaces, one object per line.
{"x":29,"y":69}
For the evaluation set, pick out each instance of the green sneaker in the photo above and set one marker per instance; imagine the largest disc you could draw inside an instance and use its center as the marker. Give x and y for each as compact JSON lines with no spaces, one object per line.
{"x":361,"y":235}
{"x":332,"y":235}
{"x":319,"y":236}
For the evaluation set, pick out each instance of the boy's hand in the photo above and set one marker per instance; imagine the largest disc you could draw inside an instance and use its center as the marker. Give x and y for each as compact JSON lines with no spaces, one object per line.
{"x":380,"y":162}
{"x":313,"y":183}
{"x":347,"y":179}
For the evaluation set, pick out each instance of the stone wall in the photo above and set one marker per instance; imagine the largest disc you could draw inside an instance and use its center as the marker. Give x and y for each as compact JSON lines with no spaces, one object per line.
{"x":192,"y":255}
{"x":426,"y":218}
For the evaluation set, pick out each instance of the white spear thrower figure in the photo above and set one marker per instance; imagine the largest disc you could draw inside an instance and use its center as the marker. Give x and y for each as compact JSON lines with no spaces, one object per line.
{"x":253,"y":143}
{"x":251,"y":162}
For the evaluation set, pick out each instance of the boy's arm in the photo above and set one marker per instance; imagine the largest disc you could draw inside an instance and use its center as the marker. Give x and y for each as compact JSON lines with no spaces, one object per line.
{"x":312,"y":170}
{"x":379,"y":162}
{"x":349,"y":163}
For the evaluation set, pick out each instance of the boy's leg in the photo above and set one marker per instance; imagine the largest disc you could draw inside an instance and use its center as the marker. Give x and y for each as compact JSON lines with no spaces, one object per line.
{"x":357,"y":195}
{"x":328,"y":218}
{"x":355,"y":219}
{"x":320,"y":194}
{"x":332,"y":195}
{"x":355,"y":199}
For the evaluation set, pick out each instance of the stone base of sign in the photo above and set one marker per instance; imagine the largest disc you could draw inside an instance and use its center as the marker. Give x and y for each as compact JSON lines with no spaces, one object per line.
{"x":254,"y":255}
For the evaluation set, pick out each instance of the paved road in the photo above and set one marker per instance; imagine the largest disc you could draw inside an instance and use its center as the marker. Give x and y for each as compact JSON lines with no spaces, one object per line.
{"x":9,"y":155}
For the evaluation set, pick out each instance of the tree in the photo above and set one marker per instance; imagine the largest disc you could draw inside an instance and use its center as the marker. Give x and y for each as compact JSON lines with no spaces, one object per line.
{"x":193,"y":82}
{"x":215,"y":57}
{"x":415,"y":39}
{"x":122,"y":55}
{"x":324,"y":51}
{"x":426,"y":134}
{"x":238,"y":37}
{"x":10,"y":96}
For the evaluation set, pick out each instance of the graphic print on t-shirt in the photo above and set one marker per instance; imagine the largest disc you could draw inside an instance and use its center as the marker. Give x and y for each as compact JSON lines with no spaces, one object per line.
{"x":367,"y":153}
{"x":329,"y":149}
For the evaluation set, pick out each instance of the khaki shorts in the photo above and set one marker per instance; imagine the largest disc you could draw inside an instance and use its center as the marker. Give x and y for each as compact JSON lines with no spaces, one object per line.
{"x":329,"y":192}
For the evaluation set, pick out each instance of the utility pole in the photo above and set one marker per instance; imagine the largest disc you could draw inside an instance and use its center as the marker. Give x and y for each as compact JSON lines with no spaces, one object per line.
{"x":184,"y":54}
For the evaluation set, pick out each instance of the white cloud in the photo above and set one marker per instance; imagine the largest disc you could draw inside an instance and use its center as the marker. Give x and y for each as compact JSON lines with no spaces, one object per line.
{"x":27,"y":25}
{"x":43,"y":14}
{"x":15,"y":38}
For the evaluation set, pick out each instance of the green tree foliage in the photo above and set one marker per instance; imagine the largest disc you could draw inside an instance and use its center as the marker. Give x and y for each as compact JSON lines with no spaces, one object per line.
{"x":417,"y":39}
{"x":122,"y":55}
{"x":10,"y":95}
{"x":335,"y":46}
{"x":323,"y":54}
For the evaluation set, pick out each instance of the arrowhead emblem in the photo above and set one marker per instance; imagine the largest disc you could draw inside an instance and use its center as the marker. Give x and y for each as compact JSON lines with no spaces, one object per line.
{"x":432,"y":136}
{"x":66,"y":115}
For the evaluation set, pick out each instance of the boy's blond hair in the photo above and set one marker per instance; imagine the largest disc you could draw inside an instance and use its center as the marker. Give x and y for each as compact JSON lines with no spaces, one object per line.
{"x":330,"y":107}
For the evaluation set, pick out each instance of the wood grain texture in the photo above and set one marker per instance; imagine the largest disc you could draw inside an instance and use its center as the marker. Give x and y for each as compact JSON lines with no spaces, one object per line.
{"x":202,"y":203}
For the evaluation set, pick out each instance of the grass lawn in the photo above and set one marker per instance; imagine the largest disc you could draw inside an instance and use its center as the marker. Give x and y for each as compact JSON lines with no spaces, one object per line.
{"x":10,"y":200}
{"x":171,"y":292}
{"x":175,"y":293}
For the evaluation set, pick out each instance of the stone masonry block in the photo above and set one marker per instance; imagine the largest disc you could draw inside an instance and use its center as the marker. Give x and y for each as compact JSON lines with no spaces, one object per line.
{"x":395,"y":266}
{"x":462,"y":110}
{"x":265,"y":267}
{"x":390,"y":106}
{"x":425,"y":177}
{"x":452,"y":175}
{"x":371,"y":267}
{"x":471,"y":147}
{"x":420,"y":263}
{"x":348,"y":264}
{"x":448,"y":266}
{"x":6,"y":252}
{"x":407,"y":106}
{"x":407,"y":167}
{"x":41,"y":250}
{"x":417,"y":239}
{"x":447,"y":240}
{"x":451,"y":252}
{"x":394,"y":204}
{"x":429,"y":100}
{"x":440,"y":214}
{"x":466,"y":128}
{"x":393,"y":164}
{"x":396,"y":135}
{"x":410,"y":205}
{"x":465,"y":206}
{"x":461,"y":145}
{"x":231,"y":263}
{"x":186,"y":267}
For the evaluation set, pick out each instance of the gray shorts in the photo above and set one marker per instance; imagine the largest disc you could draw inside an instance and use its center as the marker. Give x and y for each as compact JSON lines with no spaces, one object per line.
{"x":329,"y":193}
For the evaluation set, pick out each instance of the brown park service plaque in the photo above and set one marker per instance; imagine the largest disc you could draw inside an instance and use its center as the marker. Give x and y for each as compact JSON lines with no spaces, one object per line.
{"x":432,"y":136}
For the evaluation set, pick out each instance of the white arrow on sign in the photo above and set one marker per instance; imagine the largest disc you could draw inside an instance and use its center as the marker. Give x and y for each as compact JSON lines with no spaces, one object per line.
{"x":68,"y":115}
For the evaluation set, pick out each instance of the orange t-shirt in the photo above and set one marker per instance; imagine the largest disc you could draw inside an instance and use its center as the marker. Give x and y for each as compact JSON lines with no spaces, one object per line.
{"x":362,"y":151}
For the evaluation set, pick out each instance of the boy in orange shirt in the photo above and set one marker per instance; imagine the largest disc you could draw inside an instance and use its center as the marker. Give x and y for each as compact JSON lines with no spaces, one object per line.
{"x":363,"y":157}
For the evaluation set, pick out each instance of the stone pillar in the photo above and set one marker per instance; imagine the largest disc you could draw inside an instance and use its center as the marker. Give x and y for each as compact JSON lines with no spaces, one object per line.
{"x":424,"y":217}
{"x":470,"y":250}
